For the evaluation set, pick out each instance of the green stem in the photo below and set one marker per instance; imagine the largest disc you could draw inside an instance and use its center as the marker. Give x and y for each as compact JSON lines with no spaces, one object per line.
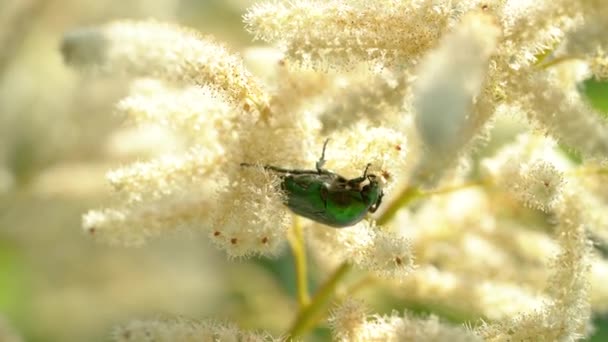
{"x":547,"y":64}
{"x":296,"y":241}
{"x":310,"y":314}
{"x":409,"y":194}
{"x":406,"y":195}
{"x":364,"y":282}
{"x":454,"y":188}
{"x":584,"y":171}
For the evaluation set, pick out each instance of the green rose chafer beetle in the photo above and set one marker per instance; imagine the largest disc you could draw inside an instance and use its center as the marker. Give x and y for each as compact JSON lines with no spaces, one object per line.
{"x":326,"y":197}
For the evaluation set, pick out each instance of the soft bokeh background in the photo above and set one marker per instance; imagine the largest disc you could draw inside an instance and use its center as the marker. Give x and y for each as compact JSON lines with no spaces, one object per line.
{"x":57,"y":139}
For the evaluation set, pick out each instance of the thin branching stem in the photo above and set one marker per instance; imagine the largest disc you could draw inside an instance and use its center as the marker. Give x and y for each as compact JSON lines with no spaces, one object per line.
{"x":310,"y":315}
{"x":298,"y":248}
{"x":407,"y":195}
{"x":588,"y":171}
{"x":361,"y":284}
{"x":545,"y":64}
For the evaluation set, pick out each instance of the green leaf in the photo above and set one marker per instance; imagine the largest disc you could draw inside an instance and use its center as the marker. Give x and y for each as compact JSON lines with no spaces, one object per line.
{"x":596,"y":93}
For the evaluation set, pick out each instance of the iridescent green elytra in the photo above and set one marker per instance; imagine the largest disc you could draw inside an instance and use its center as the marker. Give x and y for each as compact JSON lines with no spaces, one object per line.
{"x":328,"y":198}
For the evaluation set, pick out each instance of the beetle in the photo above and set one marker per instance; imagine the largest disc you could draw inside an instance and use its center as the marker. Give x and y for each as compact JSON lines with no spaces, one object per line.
{"x":326,"y":197}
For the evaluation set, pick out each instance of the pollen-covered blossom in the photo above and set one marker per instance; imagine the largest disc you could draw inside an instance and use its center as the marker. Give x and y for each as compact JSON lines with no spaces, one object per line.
{"x":565,"y":316}
{"x":343,"y":32}
{"x":385,"y":148}
{"x":562,"y":112}
{"x":182,"y":330}
{"x":178,"y":55}
{"x":412,"y":88}
{"x":468,"y":295}
{"x":204,"y":187}
{"x":527,"y":168}
{"x":363,"y":94}
{"x":180,"y":110}
{"x":469,"y":261}
{"x":589,"y":40}
{"x":350,"y":322}
{"x":382,"y":252}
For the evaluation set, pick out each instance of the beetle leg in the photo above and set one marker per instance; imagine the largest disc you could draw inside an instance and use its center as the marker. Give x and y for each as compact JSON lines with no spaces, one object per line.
{"x":319,"y":164}
{"x":277,"y":169}
{"x":376,"y":205}
{"x":269,"y":167}
{"x":324,"y":192}
{"x":358,"y":180}
{"x":297,"y":172}
{"x":283,"y":170}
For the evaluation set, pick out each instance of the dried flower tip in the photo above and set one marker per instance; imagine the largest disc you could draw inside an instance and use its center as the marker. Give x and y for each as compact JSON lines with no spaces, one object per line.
{"x":168,"y":52}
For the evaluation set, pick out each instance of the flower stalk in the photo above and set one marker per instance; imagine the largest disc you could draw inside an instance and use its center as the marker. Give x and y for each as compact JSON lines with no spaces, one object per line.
{"x":308,"y":316}
{"x":298,"y":249}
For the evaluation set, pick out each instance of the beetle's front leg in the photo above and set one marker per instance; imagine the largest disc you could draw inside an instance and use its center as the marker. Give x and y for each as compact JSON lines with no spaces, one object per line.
{"x":356,"y":181}
{"x":376,"y":205}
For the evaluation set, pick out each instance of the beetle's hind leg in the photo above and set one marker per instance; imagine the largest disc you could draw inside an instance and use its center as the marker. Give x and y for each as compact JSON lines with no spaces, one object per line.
{"x":269,"y":167}
{"x":286,"y":171}
{"x":319,"y":164}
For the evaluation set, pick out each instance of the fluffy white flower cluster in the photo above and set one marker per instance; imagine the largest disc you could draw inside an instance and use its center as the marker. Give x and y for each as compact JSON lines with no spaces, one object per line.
{"x":514,"y":251}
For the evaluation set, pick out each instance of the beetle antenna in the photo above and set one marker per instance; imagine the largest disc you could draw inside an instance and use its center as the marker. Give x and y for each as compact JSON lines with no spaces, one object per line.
{"x":321,"y":162}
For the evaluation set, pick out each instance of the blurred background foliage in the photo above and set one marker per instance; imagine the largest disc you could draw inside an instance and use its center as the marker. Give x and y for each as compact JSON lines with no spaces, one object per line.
{"x":57,"y":139}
